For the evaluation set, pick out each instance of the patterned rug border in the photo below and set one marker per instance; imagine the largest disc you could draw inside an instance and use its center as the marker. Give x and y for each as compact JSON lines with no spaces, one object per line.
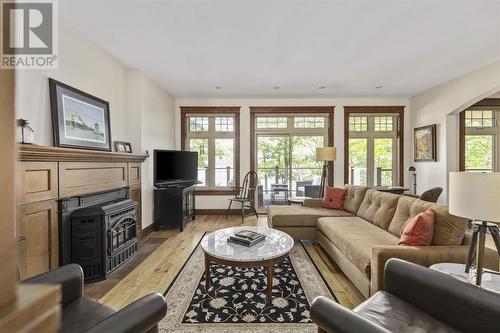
{"x":243,"y":327}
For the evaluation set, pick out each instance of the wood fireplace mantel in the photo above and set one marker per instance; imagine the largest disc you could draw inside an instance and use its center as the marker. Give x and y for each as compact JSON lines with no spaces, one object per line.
{"x":34,"y":153}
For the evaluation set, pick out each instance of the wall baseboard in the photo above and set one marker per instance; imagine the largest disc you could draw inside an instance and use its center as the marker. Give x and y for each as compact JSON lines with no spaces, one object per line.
{"x":144,"y":232}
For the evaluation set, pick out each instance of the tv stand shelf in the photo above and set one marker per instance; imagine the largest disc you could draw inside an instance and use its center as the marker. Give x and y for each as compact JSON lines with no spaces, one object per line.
{"x":174,"y":206}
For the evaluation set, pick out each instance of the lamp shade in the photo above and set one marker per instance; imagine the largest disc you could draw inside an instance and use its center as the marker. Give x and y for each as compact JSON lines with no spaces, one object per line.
{"x":326,"y":153}
{"x":475,"y":195}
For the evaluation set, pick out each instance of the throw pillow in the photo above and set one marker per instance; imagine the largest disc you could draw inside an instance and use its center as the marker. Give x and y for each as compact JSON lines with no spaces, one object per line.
{"x":418,"y":232}
{"x":334,"y":198}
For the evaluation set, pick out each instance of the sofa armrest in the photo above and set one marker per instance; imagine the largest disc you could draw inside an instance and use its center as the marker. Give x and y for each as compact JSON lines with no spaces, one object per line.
{"x":312,"y":202}
{"x":70,"y":277}
{"x":421,"y":255}
{"x":332,"y":317}
{"x":139,"y":316}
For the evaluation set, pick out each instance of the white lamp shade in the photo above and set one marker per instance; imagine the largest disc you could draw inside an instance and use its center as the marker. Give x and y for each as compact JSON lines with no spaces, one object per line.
{"x":475,"y":195}
{"x":326,"y":154}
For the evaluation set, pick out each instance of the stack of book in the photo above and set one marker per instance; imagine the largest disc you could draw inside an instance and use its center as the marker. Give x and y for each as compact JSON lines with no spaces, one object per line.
{"x":246,"y":237}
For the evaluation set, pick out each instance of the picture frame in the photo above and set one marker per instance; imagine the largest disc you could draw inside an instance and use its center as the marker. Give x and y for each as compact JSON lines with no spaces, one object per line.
{"x":424,"y":142}
{"x":123,"y":147}
{"x":79,"y":120}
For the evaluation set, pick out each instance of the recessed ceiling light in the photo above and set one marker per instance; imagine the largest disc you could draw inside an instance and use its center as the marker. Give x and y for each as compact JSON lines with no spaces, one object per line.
{"x":321,"y":87}
{"x":379,"y":87}
{"x":218,"y":87}
{"x":276,"y":88}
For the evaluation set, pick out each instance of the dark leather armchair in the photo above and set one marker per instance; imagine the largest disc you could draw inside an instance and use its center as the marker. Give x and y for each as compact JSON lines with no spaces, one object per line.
{"x":431,"y":195}
{"x":416,"y":299}
{"x":81,"y":314}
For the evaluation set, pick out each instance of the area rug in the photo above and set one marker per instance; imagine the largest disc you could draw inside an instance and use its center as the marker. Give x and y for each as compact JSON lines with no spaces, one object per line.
{"x":236,"y":299}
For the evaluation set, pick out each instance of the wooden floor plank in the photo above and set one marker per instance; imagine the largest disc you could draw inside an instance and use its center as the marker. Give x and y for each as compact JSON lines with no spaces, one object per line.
{"x":158,"y":270}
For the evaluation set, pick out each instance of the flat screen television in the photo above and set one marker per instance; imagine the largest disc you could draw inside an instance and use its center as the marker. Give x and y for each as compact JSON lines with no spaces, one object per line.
{"x":174,"y":166}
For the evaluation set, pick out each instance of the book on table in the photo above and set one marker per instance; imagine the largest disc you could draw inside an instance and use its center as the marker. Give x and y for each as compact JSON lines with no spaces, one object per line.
{"x":246,"y":237}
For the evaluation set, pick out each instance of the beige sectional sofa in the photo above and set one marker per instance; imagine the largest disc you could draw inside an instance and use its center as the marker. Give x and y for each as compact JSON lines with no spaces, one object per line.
{"x":363,"y":236}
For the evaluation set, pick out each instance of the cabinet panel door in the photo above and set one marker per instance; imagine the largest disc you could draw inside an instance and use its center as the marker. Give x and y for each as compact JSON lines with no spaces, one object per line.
{"x":135,"y":194}
{"x":38,"y":240}
{"x":36,"y":181}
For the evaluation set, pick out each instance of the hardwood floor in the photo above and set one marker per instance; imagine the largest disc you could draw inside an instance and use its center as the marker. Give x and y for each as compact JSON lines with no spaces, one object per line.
{"x":160,"y":268}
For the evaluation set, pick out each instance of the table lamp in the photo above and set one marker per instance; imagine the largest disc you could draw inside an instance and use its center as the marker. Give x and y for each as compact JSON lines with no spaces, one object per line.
{"x":325,"y":154}
{"x":414,"y":173}
{"x":476,"y":196}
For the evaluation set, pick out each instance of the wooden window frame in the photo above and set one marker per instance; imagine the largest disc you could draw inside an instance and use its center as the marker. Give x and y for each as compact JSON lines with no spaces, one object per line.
{"x":399,"y":110}
{"x":215,"y":111}
{"x":256,"y":110}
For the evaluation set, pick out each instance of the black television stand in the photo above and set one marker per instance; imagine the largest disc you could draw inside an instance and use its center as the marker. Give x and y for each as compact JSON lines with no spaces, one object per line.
{"x":174,"y":205}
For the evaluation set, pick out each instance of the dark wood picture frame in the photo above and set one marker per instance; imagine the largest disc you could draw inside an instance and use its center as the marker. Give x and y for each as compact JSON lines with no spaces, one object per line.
{"x":433,"y":157}
{"x":58,"y":90}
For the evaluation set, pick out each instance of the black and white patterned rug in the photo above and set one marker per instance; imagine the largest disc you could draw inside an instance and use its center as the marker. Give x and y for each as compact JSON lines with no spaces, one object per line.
{"x":236,"y":300}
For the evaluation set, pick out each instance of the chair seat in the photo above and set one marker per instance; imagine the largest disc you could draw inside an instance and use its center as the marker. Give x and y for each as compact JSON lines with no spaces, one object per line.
{"x":239,"y":199}
{"x":83,"y":314}
{"x":396,"y":315}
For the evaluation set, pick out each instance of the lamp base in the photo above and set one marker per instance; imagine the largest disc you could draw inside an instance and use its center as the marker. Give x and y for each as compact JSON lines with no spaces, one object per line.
{"x":479,"y":229}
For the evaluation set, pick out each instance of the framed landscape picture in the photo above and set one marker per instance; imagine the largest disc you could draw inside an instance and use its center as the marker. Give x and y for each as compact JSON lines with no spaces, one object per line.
{"x":425,"y":143}
{"x":80,"y":120}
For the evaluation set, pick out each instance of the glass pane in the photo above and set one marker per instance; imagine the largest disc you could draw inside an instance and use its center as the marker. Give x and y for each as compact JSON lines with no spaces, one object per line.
{"x":224,"y":124}
{"x":272,"y":122}
{"x":358,"y":158}
{"x":309,"y":122}
{"x":224,"y":162}
{"x":358,"y":124}
{"x":383,"y":124}
{"x":479,"y":152}
{"x":201,"y":146}
{"x":272,"y":162}
{"x":383,"y":154}
{"x":306,"y":171}
{"x":479,"y":118}
{"x":198,"y":124}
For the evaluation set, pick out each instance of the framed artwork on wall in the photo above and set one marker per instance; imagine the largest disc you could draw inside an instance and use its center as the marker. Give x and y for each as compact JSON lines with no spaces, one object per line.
{"x":79,"y":120}
{"x":425,"y":143}
{"x":123,"y":147}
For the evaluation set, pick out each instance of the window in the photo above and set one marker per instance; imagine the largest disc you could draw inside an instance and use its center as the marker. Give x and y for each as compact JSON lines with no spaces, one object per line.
{"x":284,"y":155}
{"x":214,"y":134}
{"x":373,"y":146}
{"x":479,"y":139}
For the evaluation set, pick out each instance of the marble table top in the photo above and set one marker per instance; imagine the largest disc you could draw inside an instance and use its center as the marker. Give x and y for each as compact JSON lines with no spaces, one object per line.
{"x":488,"y":281}
{"x":276,"y":244}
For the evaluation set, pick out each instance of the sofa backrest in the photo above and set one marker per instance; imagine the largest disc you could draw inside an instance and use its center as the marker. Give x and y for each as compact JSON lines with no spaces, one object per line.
{"x":448,"y":229}
{"x":354,"y":197}
{"x":378,"y":207}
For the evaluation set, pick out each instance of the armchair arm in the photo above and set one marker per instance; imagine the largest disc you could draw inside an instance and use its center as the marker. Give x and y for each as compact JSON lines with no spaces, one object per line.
{"x":421,"y":255}
{"x":312,"y":202}
{"x":332,"y":317}
{"x":70,"y":277}
{"x":139,"y":316}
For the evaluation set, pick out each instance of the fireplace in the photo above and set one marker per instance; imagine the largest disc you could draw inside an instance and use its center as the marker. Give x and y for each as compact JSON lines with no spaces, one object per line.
{"x":98,"y":232}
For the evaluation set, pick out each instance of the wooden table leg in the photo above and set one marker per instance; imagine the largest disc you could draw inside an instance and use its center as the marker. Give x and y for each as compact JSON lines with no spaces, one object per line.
{"x":269,"y":280}
{"x":207,"y":273}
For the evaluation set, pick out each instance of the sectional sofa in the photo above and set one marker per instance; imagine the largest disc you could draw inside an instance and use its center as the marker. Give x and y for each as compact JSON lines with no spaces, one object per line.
{"x":363,"y":236}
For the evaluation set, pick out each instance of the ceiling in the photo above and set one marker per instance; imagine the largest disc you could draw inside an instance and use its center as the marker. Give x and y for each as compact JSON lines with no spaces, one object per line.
{"x":249,"y":48}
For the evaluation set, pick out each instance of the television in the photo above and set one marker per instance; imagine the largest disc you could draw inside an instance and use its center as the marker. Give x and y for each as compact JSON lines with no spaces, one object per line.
{"x":174,"y":166}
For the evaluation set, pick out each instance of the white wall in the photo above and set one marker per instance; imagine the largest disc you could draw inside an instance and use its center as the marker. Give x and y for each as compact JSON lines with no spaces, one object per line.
{"x":217,"y":202}
{"x":140,"y":111}
{"x":441,"y":105}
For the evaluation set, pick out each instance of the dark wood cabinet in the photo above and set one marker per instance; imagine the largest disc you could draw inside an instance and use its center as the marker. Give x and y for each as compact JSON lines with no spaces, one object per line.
{"x":174,"y":206}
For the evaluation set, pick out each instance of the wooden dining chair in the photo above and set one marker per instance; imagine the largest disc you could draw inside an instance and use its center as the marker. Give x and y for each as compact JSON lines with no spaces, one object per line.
{"x":245,"y":195}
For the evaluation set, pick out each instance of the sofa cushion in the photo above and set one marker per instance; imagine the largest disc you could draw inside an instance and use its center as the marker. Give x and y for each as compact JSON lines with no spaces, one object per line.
{"x":418,"y":232}
{"x":448,"y":229}
{"x":354,"y":197}
{"x":396,"y":315}
{"x":334,"y":198}
{"x":355,"y":237}
{"x":296,"y":216}
{"x":378,"y":207}
{"x":407,"y":208}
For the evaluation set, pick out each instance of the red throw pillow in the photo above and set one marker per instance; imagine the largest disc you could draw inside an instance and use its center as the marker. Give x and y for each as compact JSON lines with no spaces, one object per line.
{"x":418,"y":232}
{"x":334,"y":198}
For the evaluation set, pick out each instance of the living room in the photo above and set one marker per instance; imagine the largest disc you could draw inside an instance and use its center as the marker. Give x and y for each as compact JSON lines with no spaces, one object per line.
{"x":253,"y":166}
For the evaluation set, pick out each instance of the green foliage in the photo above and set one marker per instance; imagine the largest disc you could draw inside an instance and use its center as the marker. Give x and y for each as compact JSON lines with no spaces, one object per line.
{"x":479,"y":152}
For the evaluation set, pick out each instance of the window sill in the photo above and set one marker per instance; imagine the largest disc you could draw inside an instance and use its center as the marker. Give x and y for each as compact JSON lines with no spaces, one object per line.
{"x":214,"y":192}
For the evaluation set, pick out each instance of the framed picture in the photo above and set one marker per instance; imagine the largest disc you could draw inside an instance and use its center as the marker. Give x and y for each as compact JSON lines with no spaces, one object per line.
{"x":123,"y":147}
{"x":425,"y":143}
{"x":80,"y":120}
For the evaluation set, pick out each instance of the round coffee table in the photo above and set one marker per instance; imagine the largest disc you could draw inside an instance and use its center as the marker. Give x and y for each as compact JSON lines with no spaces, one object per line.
{"x":265,"y":254}
{"x":490,"y":280}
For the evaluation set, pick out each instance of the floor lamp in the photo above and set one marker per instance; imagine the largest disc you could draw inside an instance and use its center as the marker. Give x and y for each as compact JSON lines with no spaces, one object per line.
{"x":414,"y":174}
{"x":325,"y":154}
{"x":477,"y":195}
